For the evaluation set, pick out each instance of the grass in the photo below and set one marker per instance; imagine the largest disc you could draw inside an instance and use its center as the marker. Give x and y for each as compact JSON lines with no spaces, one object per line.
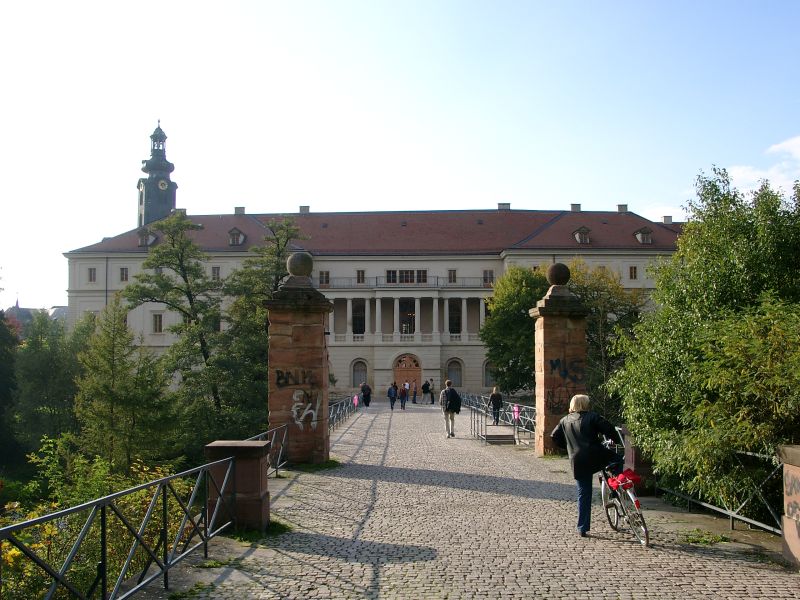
{"x":314,"y":467}
{"x":193,"y":592}
{"x":252,"y":536}
{"x":218,"y":564}
{"x":702,"y":537}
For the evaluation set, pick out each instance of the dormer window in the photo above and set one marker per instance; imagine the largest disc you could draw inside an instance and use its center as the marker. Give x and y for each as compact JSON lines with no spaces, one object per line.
{"x":644,"y":235}
{"x":235,"y":237}
{"x":582,"y":235}
{"x":146,"y":238}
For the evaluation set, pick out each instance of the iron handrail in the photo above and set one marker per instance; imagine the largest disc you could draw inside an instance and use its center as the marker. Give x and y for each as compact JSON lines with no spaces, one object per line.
{"x":278,"y":438}
{"x":519,"y":416}
{"x":164,"y":550}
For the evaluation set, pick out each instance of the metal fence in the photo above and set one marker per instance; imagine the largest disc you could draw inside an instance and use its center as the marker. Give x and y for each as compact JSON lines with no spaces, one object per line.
{"x":278,"y":439}
{"x":114,"y":546}
{"x":519,"y":416}
{"x":341,"y":409}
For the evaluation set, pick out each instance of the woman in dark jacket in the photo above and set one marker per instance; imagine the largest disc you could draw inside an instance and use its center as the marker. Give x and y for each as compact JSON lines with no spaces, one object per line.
{"x":579,"y":432}
{"x":497,"y":403}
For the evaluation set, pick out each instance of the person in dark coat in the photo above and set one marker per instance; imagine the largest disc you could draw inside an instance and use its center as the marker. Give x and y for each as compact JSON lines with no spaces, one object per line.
{"x":366,"y":393}
{"x":579,"y":432}
{"x":392,"y":393}
{"x":497,"y":403}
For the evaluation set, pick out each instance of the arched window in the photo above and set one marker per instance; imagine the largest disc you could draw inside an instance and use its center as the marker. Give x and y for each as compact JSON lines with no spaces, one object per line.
{"x":488,"y":380}
{"x":454,"y":372}
{"x":359,"y":373}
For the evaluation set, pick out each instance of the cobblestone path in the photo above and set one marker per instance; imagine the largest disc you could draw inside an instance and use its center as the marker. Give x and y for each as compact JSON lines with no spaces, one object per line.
{"x":412,"y":514}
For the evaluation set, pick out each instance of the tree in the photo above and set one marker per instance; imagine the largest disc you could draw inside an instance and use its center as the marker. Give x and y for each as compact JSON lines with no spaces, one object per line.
{"x":8,"y":384}
{"x":120,"y":400}
{"x":508,"y":331}
{"x":46,"y":368}
{"x":613,"y":311}
{"x":176,"y":278}
{"x":244,"y":344}
{"x":705,"y":372}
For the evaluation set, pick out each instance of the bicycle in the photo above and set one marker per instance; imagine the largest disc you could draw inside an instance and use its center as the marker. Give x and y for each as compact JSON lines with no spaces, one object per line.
{"x":620,"y":502}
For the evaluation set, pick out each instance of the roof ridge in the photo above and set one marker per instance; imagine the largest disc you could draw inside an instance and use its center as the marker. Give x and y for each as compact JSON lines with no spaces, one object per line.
{"x":540,"y":229}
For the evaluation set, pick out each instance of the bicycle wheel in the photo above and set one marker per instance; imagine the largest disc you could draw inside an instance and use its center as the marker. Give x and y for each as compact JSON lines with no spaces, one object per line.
{"x":610,"y":505}
{"x":634,"y":517}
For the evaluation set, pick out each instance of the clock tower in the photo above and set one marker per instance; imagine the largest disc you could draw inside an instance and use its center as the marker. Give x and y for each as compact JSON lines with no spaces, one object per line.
{"x":156,"y":191}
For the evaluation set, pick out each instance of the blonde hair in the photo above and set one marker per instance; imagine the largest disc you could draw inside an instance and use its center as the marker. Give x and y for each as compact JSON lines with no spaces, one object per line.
{"x":494,"y":390}
{"x":579,"y":403}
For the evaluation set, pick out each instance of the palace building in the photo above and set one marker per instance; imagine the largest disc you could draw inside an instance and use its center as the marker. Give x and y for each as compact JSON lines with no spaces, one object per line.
{"x":409,"y":288}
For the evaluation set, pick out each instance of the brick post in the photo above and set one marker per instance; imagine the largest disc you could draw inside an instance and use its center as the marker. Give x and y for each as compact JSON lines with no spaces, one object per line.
{"x":298,"y":363}
{"x":790,"y":456}
{"x":251,"y":461}
{"x":560,"y":355}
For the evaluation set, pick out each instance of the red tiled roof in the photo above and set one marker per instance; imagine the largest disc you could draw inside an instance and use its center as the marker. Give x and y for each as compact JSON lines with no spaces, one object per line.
{"x":424,"y":232}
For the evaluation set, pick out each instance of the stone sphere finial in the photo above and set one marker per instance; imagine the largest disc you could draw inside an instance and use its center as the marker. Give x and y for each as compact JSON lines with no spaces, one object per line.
{"x":558,"y":274}
{"x":300,"y":264}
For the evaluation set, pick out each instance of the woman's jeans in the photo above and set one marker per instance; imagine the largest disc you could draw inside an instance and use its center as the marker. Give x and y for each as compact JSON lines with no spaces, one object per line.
{"x":496,"y":414}
{"x":584,"y":503}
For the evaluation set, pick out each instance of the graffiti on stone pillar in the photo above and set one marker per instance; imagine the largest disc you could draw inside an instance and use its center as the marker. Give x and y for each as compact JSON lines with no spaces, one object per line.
{"x":573,"y":370}
{"x":288,"y":377}
{"x":302,"y":403}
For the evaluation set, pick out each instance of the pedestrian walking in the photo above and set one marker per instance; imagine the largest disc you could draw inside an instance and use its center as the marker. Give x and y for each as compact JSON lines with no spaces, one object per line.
{"x":432,"y":387}
{"x":414,"y":392}
{"x":403,"y":397}
{"x":450,"y":402}
{"x":579,"y":432}
{"x":427,"y":394}
{"x":497,"y":403}
{"x":366,"y":393}
{"x":392,"y":394}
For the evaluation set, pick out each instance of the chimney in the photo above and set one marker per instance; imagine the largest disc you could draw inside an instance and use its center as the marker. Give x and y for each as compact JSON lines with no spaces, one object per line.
{"x":667,"y":220}
{"x":238,"y":210}
{"x":575,"y":207}
{"x":304,"y":210}
{"x":623,"y":208}
{"x":504,"y":206}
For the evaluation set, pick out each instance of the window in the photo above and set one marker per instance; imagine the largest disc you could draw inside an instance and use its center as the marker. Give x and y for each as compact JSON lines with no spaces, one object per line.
{"x":92,"y":275}
{"x":406,"y":276}
{"x":645,"y":235}
{"x":359,"y":316}
{"x":158,"y":323}
{"x":488,"y":276}
{"x":123,"y":273}
{"x":582,"y":235}
{"x":633,"y":273}
{"x":422,"y":276}
{"x":451,"y":276}
{"x":391,"y":276}
{"x":454,"y":372}
{"x":324,"y":277}
{"x":454,"y":316}
{"x":488,"y":379}
{"x":215,"y":273}
{"x":360,"y":278}
{"x":235,"y":237}
{"x":359,"y":373}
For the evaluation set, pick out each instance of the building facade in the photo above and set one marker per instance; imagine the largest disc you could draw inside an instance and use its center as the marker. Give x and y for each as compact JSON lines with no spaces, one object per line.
{"x":409,"y":288}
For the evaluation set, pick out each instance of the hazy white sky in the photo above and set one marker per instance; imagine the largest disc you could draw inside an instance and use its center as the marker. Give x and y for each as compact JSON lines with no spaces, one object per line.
{"x":378,"y":105}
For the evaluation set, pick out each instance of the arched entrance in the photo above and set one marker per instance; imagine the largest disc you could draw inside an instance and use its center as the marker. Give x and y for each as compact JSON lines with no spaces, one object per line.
{"x":406,"y":367}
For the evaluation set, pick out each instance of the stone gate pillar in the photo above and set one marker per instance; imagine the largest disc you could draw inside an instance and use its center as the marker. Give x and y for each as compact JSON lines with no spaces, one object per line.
{"x":298,"y":363}
{"x":560,"y":355}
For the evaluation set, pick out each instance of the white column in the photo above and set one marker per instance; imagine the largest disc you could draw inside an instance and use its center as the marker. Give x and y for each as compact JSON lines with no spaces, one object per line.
{"x":396,"y":316}
{"x":482,"y":309}
{"x":367,"y":314}
{"x":446,"y":325}
{"x":416,"y":319}
{"x":464,"y":319}
{"x":331,"y":324}
{"x":378,"y":318}
{"x":436,"y":331}
{"x":349,"y":318}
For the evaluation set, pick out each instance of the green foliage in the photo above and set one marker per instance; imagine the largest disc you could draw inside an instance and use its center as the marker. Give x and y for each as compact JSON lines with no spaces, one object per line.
{"x":8,"y":384}
{"x":508,"y":331}
{"x":121,"y":395}
{"x":714,"y":369}
{"x":46,"y":368}
{"x":613,"y":311}
{"x":704,"y":538}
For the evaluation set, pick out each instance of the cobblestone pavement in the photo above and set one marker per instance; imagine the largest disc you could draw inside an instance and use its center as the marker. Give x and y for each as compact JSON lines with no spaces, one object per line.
{"x":413,"y":514}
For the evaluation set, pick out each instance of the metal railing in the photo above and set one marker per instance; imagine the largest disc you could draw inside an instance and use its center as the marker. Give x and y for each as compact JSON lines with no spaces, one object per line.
{"x":113,"y":546}
{"x":756,"y":490}
{"x":341,"y":410}
{"x":519,"y":416}
{"x":278,"y":438}
{"x":432,"y":281}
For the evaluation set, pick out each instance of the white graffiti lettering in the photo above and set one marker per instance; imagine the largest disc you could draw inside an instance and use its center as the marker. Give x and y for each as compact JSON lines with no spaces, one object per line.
{"x":301,"y":408}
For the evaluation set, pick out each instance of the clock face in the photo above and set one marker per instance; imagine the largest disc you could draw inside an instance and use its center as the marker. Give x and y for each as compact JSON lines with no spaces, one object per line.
{"x":163,"y":185}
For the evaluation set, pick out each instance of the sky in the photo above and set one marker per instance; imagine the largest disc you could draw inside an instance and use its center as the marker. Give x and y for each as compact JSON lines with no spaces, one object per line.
{"x":349,"y":105}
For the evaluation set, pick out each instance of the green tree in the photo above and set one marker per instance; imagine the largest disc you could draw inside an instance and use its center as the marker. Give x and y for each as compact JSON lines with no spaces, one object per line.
{"x":120,"y":400}
{"x":175,"y":277}
{"x":8,"y":384}
{"x":686,"y":385}
{"x":613,"y":311}
{"x":244,"y":344}
{"x":46,"y":368}
{"x":508,"y":331}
